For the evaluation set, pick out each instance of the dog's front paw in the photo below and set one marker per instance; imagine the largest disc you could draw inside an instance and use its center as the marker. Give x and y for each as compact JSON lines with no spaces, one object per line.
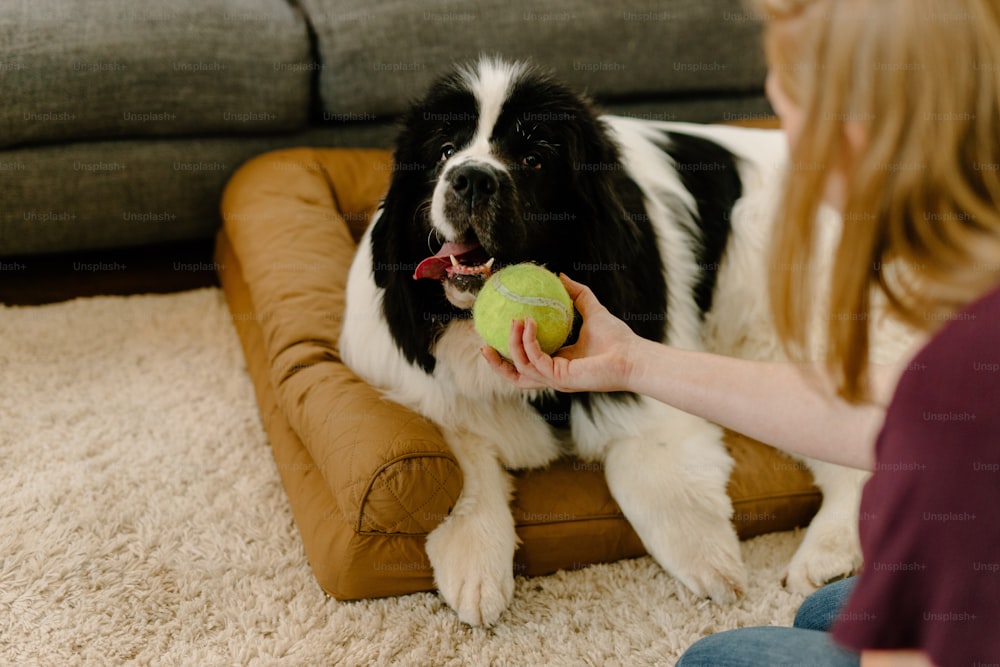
{"x":828,"y":552}
{"x":703,"y":554}
{"x":474,"y":573}
{"x":711,"y":566}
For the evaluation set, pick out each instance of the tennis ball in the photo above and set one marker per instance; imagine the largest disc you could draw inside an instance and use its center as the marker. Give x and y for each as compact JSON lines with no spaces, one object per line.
{"x":519,"y":291}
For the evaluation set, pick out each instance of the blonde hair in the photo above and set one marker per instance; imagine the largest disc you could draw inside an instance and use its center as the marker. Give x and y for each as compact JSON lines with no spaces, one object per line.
{"x":919,"y":81}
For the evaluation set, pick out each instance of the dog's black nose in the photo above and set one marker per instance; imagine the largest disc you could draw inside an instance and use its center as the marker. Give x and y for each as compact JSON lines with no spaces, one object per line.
{"x":474,"y":183}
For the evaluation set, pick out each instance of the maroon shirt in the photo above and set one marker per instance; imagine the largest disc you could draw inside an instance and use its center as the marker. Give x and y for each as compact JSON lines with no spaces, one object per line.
{"x":930,"y":514}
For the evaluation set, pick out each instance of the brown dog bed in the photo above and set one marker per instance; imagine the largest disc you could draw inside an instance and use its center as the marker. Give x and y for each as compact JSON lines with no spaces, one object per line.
{"x":366,"y":478}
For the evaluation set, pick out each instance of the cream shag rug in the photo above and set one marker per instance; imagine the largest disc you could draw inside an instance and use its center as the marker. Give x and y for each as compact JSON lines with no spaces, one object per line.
{"x":142,"y":521}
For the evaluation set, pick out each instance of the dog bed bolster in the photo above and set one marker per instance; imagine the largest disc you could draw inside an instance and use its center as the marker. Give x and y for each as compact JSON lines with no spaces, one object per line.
{"x":367,"y":479}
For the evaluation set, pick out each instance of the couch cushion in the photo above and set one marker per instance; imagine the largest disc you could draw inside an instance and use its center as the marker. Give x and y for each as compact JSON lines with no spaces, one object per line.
{"x":377,"y":56}
{"x":114,"y":68}
{"x":367,"y":478}
{"x":108,"y":194}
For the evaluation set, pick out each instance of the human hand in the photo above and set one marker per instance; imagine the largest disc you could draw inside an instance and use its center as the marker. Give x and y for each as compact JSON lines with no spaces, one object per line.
{"x":600,"y":359}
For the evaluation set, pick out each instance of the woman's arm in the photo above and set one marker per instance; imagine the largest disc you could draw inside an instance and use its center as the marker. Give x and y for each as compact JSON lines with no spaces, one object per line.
{"x":775,"y":402}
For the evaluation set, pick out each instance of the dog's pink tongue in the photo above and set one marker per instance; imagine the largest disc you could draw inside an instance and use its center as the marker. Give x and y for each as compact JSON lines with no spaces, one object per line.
{"x":436,"y":267}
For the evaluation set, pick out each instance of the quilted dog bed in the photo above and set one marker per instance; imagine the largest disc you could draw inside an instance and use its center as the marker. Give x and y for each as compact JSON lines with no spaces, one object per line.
{"x":368,"y":479}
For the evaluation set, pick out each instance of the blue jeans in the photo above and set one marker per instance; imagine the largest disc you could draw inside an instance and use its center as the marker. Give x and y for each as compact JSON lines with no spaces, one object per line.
{"x":806,"y":643}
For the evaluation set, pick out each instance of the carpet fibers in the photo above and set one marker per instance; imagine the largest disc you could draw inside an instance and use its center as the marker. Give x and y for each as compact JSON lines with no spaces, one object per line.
{"x":142,"y":521}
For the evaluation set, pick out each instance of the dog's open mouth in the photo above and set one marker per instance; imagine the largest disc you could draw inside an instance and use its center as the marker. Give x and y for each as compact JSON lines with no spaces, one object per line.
{"x":465,"y":266}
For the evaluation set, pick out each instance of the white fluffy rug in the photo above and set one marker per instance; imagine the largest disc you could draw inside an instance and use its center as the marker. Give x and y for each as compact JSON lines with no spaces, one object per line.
{"x":142,"y":521}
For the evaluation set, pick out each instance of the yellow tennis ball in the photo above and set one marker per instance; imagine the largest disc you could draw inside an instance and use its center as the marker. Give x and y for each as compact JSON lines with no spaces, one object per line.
{"x":519,"y":291}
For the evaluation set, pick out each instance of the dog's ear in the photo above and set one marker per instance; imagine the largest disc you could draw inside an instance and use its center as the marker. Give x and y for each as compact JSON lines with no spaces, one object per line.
{"x":423,"y":128}
{"x":413,"y":309}
{"x":395,"y":237}
{"x":399,"y":236}
{"x":416,"y":310}
{"x":616,"y":251}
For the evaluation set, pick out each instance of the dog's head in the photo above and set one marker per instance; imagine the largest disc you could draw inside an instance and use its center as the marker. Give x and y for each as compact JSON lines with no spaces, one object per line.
{"x":486,"y":174}
{"x":497,"y":164}
{"x":502,"y":163}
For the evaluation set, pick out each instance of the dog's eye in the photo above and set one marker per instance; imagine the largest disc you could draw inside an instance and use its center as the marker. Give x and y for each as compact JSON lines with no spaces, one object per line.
{"x":447,"y":151}
{"x":532,"y":161}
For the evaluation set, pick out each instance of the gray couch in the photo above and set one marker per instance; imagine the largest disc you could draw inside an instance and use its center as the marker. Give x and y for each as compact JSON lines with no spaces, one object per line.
{"x":122,"y":120}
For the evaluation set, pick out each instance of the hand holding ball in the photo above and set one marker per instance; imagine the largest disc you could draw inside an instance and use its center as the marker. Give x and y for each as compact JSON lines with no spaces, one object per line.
{"x":519,"y":291}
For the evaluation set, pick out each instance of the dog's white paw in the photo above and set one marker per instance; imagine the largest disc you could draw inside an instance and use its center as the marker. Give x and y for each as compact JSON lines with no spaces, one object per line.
{"x":710,"y":565}
{"x":703,"y":553}
{"x":474,"y":573}
{"x":828,"y":552}
{"x":671,"y":485}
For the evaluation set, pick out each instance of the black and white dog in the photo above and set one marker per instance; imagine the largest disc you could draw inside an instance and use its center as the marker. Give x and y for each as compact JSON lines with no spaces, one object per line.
{"x":666,"y":223}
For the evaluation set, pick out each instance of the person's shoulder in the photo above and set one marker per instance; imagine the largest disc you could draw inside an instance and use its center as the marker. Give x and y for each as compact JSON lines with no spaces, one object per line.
{"x":968,"y":341}
{"x":951,"y":387}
